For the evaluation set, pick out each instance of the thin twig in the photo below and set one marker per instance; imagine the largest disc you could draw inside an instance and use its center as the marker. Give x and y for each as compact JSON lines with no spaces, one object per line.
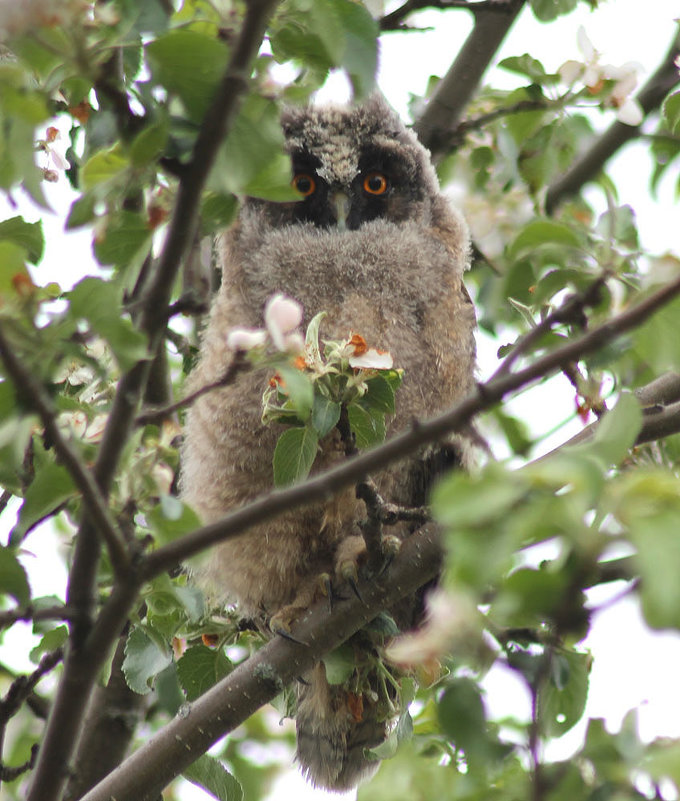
{"x":34,"y":394}
{"x":11,"y":616}
{"x":152,"y":415}
{"x":571,"y":311}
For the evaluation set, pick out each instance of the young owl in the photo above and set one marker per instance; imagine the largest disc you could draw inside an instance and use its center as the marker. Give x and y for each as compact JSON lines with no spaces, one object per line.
{"x":374,"y":244}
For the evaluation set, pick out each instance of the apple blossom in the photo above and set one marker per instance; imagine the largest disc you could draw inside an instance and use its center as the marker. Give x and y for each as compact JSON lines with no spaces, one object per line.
{"x":372,"y":359}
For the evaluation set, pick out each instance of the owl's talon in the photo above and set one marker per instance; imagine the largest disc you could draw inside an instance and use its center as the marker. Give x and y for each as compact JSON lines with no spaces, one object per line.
{"x":390,"y":547}
{"x":349,"y":573}
{"x":326,"y":587}
{"x":288,"y":636}
{"x":280,"y":624}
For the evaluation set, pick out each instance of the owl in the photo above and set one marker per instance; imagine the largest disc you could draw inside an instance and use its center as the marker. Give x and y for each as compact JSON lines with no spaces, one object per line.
{"x":374,"y":243}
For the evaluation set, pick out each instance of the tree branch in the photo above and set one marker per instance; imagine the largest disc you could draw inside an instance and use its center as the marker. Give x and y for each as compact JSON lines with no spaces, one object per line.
{"x":154,"y":415}
{"x":33,"y":393}
{"x":456,"y":88}
{"x":394,"y":20}
{"x":325,"y":484}
{"x":258,"y":680}
{"x":12,"y":616}
{"x":593,"y":160}
{"x":88,"y":649}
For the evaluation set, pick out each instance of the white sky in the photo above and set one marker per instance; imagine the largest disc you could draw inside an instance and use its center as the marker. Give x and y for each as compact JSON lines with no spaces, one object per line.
{"x":633,"y":668}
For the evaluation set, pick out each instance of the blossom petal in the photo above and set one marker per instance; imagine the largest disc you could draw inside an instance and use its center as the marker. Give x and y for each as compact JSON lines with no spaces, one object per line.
{"x":372,"y":359}
{"x":630,"y":112}
{"x":570,"y":71}
{"x":585,"y":45}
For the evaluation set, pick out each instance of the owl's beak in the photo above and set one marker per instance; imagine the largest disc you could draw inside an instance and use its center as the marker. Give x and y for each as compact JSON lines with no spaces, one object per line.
{"x":340,"y":203}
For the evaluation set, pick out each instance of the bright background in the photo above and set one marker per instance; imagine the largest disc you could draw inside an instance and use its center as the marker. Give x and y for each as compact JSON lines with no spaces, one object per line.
{"x":633,"y":669}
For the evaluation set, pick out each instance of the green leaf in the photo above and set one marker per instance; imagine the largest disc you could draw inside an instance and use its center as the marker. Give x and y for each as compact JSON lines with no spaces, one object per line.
{"x":50,"y":641}
{"x":461,"y":716}
{"x":299,"y":389}
{"x":339,"y":664}
{"x":200,"y":668}
{"x":144,"y":658}
{"x":51,"y":487}
{"x":617,"y":431}
{"x":171,"y":518}
{"x":103,"y":167}
{"x":360,"y":55}
{"x":671,"y":112}
{"x":82,"y":211}
{"x":657,"y":341}
{"x":252,"y":161}
{"x":149,"y":144}
{"x":12,"y":266}
{"x":524,"y":65}
{"x":562,"y":696}
{"x":325,"y":415}
{"x":217,"y":212}
{"x":542,"y":232}
{"x":13,"y":579}
{"x":189,"y":64}
{"x":99,"y":302}
{"x":294,"y":455}
{"x":126,"y":234}
{"x":29,"y":236}
{"x":210,"y":774}
{"x":368,"y":426}
{"x":548,"y":10}
{"x":379,"y":395}
{"x":461,"y":500}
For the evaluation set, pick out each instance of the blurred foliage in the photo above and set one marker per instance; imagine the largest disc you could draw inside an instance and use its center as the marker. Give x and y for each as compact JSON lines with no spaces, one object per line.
{"x":128,"y":84}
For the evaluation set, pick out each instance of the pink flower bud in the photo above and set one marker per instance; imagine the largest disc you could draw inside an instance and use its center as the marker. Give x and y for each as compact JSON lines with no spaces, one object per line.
{"x":246,"y":338}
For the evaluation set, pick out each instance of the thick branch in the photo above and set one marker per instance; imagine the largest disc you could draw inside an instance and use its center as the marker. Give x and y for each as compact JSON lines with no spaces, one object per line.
{"x":89,"y":650}
{"x":257,"y":681}
{"x":456,"y":88}
{"x":323,"y":485}
{"x":592,"y":161}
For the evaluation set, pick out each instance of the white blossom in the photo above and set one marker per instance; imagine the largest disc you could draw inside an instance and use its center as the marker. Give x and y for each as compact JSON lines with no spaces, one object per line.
{"x":372,"y":359}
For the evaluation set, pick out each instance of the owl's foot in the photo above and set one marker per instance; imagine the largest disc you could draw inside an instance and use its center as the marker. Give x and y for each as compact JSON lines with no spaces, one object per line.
{"x":280,"y":624}
{"x":389,"y":547}
{"x":349,"y":573}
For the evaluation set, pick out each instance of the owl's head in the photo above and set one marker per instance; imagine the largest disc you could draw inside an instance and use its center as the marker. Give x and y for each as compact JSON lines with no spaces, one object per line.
{"x":351,"y":165}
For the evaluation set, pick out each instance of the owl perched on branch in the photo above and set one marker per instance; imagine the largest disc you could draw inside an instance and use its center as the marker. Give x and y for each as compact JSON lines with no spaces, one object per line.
{"x":373,"y":243}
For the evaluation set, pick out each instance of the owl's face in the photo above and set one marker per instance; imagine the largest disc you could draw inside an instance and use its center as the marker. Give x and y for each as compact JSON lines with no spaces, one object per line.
{"x":351,"y":166}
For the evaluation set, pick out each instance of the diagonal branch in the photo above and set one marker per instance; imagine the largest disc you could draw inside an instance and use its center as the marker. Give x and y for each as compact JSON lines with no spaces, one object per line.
{"x":456,"y":88}
{"x":258,"y":680}
{"x":592,"y":161}
{"x":323,"y":485}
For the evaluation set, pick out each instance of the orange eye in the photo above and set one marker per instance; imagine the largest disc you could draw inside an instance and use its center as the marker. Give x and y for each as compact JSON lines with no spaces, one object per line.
{"x":304,"y":183}
{"x":375,"y":183}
